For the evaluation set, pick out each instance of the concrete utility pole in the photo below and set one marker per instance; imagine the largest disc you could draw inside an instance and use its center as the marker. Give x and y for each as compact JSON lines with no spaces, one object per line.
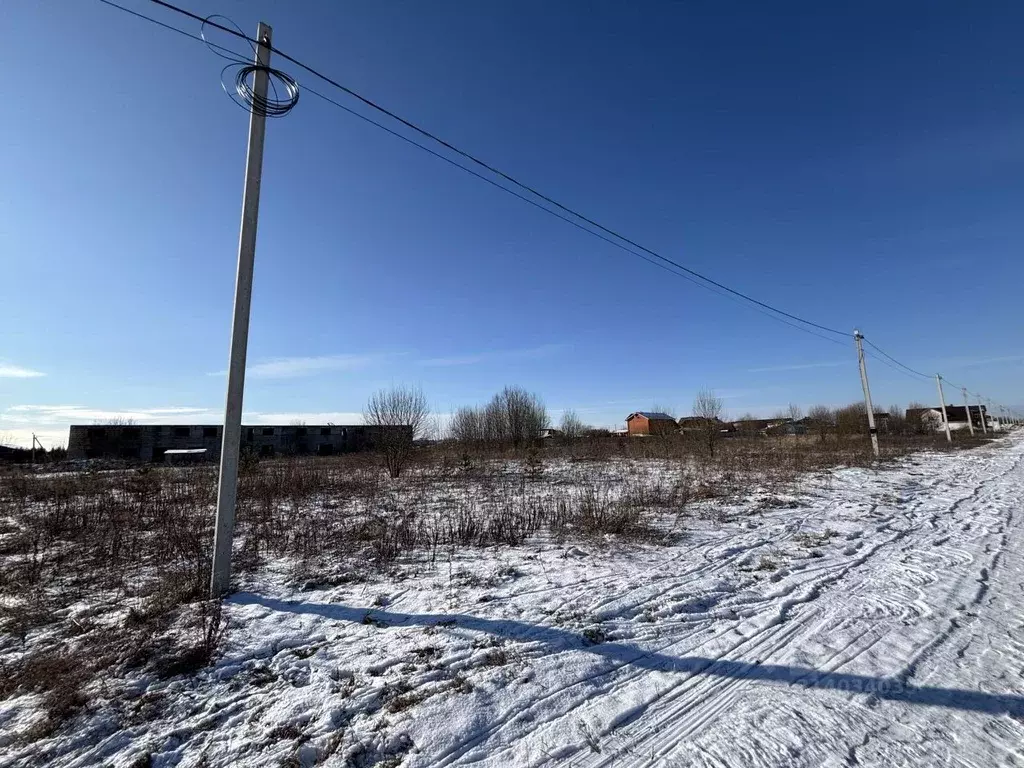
{"x":220,"y":578}
{"x":942,"y":400}
{"x":981,"y":412}
{"x":967,"y":407}
{"x":867,"y":391}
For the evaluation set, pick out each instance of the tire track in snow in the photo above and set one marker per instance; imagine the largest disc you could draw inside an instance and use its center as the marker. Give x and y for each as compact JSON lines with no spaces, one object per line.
{"x":661,"y":736}
{"x":750,"y":643}
{"x":698,"y":689}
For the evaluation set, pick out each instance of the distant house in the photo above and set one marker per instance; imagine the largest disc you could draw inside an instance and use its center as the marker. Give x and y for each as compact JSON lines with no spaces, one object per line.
{"x":931,"y":417}
{"x":757,"y":426}
{"x":788,"y":427}
{"x":549,"y":433}
{"x":690,"y":424}
{"x":15,"y":455}
{"x":650,"y":423}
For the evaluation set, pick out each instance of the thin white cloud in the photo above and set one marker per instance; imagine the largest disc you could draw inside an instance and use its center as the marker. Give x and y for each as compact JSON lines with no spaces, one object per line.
{"x":494,"y":356}
{"x":43,"y":407}
{"x":71,"y":414}
{"x":295,"y":367}
{"x":11,"y":371}
{"x":800,"y":366}
{"x":307,"y":417}
{"x":50,"y":423}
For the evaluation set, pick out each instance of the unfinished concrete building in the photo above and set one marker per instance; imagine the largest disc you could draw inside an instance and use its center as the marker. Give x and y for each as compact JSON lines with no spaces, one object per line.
{"x":149,"y":442}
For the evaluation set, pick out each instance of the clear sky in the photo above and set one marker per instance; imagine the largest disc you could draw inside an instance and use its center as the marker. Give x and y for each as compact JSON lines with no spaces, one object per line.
{"x":856,"y":164}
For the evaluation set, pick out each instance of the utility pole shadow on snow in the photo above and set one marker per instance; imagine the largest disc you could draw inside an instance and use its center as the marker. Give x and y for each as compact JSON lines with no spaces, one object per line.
{"x":620,"y":654}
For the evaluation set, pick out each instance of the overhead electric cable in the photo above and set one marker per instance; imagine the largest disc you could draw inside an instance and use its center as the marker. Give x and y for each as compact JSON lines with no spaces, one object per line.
{"x":893,"y":359}
{"x":644,"y":253}
{"x":496,"y":171}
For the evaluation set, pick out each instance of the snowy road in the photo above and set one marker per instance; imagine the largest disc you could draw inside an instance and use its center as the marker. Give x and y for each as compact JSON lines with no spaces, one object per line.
{"x":872,"y":618}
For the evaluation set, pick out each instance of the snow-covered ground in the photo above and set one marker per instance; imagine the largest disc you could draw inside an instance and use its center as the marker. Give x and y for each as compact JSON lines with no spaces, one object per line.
{"x":872,"y":618}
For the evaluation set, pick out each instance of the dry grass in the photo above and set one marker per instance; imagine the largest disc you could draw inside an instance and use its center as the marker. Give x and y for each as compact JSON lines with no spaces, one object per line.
{"x":134,"y":543}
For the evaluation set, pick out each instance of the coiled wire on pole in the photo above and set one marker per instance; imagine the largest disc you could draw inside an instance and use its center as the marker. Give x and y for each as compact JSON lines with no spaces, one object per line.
{"x":241,"y":91}
{"x":246,"y":97}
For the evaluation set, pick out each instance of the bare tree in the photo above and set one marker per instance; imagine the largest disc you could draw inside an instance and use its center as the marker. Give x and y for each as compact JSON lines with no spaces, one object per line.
{"x":822,"y":419}
{"x":795,"y":412}
{"x":917,"y":422}
{"x":433,"y":428}
{"x":523,"y":416}
{"x":467,"y":425}
{"x":495,"y":421}
{"x":852,"y":419}
{"x":572,"y":427}
{"x":708,"y":408}
{"x":897,"y":420}
{"x":512,"y":416}
{"x":398,"y":417}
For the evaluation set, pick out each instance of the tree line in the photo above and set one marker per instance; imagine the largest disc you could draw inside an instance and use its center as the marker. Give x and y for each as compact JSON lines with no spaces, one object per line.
{"x":516,"y":418}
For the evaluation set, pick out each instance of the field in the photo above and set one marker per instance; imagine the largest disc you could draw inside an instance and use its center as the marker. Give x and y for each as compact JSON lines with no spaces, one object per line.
{"x":605,"y":603}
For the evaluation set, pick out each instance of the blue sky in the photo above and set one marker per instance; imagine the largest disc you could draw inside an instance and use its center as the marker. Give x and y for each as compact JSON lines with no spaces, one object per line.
{"x":858,"y":165}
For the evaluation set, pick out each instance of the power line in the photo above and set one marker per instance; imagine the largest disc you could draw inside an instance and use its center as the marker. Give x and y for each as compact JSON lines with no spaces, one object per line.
{"x":662,"y":262}
{"x":893,"y":359}
{"x":198,"y":38}
{"x":563,"y":212}
{"x":498,"y":172}
{"x":886,"y":363}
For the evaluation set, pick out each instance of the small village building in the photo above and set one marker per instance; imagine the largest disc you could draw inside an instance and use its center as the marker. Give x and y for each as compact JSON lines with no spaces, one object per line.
{"x":644,"y":423}
{"x":959,"y":417}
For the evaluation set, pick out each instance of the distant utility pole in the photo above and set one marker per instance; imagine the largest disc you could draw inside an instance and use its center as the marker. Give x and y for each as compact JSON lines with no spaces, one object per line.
{"x":867,"y":391}
{"x":967,"y":407}
{"x":981,"y":412}
{"x":942,"y":400}
{"x":227,"y":489}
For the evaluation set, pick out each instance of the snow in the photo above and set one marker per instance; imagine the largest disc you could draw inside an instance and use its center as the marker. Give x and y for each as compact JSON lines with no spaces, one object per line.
{"x":870,"y":618}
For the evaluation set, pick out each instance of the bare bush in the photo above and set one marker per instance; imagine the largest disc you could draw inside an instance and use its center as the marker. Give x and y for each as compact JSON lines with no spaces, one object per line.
{"x":572,"y":426}
{"x":852,"y":419}
{"x":467,"y":425}
{"x":398,"y":416}
{"x":822,"y":421}
{"x":513,"y":416}
{"x":708,"y":408}
{"x":523,"y":414}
